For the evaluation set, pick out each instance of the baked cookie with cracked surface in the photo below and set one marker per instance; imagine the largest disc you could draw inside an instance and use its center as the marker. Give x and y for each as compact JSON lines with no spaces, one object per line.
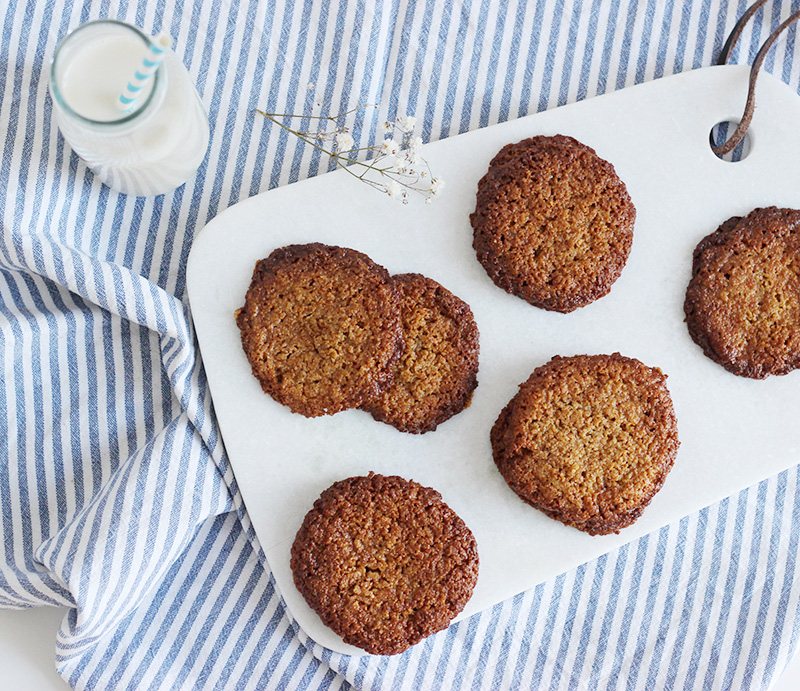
{"x":588,"y":440}
{"x":553,"y":222}
{"x":742,"y":304}
{"x":321,"y":327}
{"x":384,"y":562}
{"x":437,"y":373}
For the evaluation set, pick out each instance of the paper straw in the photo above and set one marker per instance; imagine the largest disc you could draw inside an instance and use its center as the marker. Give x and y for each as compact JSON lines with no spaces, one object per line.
{"x":156,"y":51}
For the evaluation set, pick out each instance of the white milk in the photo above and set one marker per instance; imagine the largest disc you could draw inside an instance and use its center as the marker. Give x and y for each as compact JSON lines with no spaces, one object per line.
{"x":150,"y":149}
{"x":90,"y":81}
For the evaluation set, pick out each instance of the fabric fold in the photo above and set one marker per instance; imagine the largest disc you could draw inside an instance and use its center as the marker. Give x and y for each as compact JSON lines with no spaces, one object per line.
{"x":117,"y":547}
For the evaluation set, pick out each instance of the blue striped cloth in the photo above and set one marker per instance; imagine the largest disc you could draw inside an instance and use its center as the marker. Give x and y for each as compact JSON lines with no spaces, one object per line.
{"x":116,"y":497}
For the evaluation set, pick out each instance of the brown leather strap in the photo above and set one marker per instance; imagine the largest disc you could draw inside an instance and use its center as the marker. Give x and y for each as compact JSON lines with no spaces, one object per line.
{"x":727,"y":49}
{"x":750,"y":105}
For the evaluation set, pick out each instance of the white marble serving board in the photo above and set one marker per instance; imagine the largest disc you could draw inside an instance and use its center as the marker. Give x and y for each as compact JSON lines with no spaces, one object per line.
{"x":734,"y":432}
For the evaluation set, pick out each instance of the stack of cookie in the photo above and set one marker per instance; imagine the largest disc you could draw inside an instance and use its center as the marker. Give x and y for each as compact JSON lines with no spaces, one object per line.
{"x":326,"y":329}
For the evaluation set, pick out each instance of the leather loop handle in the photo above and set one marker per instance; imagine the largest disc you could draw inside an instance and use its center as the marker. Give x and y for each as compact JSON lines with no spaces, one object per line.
{"x":750,"y":105}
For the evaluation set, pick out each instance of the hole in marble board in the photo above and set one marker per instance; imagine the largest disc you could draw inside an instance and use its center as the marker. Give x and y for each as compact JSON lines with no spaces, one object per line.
{"x":721,"y":132}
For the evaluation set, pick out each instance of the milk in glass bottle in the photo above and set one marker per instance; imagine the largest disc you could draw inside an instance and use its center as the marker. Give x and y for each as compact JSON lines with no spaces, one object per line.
{"x":153,"y":146}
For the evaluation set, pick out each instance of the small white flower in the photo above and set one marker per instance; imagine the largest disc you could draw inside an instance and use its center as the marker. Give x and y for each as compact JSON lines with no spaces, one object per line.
{"x":406,"y":123}
{"x":394,"y":190}
{"x":437,"y":185}
{"x":344,"y":141}
{"x":387,"y":127}
{"x":412,"y":157}
{"x":311,"y":86}
{"x":415,"y":143}
{"x":390,"y":147}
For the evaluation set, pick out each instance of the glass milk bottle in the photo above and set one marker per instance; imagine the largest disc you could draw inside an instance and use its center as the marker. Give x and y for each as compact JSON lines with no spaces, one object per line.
{"x":151,"y":148}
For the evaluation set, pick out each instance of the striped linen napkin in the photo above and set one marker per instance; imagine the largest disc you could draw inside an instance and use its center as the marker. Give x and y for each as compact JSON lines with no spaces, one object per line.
{"x":116,"y":497}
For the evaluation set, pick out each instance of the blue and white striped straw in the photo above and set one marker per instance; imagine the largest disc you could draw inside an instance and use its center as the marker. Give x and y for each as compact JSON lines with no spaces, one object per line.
{"x":156,"y":51}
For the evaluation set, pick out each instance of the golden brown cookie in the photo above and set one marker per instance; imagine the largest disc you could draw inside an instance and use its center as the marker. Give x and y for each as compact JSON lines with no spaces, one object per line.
{"x":743,"y":301}
{"x":553,"y":223}
{"x":588,"y":440}
{"x":438,"y":371}
{"x":321,"y":328}
{"x":384,"y":562}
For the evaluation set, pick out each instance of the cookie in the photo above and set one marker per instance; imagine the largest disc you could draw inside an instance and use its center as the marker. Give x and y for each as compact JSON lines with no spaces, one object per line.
{"x":384,"y":562}
{"x":588,"y":440}
{"x":435,"y":377}
{"x":742,"y":304}
{"x":553,"y":223}
{"x":321,"y":328}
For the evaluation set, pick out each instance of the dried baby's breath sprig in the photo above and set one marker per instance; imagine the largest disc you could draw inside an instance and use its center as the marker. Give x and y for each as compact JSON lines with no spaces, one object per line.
{"x":394,"y":167}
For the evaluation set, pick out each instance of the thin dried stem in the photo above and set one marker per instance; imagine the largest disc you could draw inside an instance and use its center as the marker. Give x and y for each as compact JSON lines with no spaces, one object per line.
{"x":398,"y":165}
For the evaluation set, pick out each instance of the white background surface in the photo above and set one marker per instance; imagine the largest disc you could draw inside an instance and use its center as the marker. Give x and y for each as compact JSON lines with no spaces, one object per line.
{"x":27,"y":652}
{"x":28,"y":649}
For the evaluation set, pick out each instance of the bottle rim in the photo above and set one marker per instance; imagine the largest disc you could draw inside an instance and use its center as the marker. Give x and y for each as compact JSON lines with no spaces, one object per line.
{"x":58,"y":96}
